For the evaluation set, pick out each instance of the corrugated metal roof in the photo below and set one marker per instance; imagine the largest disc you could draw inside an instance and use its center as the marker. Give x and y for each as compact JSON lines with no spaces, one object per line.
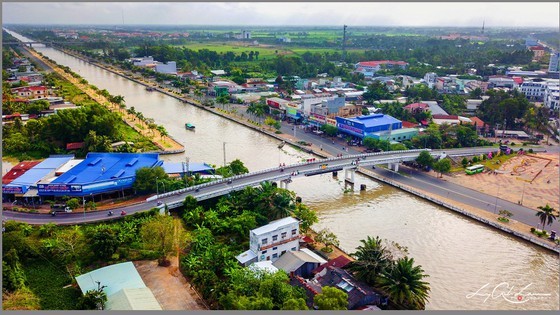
{"x":292,"y":260}
{"x":40,"y":170}
{"x":246,"y":256}
{"x":133,"y":299}
{"x":175,"y":168}
{"x":114,"y":278}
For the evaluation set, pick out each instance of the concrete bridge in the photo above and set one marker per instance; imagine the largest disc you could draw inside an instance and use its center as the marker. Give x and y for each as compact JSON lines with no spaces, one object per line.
{"x":284,"y":175}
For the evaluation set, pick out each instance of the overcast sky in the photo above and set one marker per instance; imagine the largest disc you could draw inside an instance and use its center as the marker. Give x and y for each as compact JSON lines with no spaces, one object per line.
{"x":513,"y":14}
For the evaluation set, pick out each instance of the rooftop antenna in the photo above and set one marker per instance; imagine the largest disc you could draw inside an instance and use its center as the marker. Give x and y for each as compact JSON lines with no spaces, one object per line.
{"x":483,"y":27}
{"x":344,"y":43}
{"x":122,"y":15}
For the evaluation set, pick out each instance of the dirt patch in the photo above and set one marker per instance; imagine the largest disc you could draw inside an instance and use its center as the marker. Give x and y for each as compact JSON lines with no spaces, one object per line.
{"x":532,"y":180}
{"x":169,"y":286}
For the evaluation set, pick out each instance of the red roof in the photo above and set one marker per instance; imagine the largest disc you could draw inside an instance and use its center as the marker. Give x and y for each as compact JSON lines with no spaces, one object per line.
{"x":445,"y":117}
{"x":479,"y":123}
{"x":536,"y":48}
{"x":424,"y":122}
{"x":18,"y":170}
{"x":407,"y":124}
{"x":30,"y":88}
{"x":417,"y":105}
{"x":339,"y":262}
{"x":74,"y":145}
{"x":381,"y":62}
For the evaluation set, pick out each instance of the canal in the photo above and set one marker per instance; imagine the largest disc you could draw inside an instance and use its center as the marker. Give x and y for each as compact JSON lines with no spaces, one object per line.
{"x":460,"y":256}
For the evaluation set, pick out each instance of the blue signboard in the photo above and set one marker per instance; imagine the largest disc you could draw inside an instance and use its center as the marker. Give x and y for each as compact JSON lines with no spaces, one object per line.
{"x":13,"y":190}
{"x":58,"y":188}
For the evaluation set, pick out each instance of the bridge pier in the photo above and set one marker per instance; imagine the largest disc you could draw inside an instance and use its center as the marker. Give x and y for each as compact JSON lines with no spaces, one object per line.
{"x":393,"y":166}
{"x":349,"y":181}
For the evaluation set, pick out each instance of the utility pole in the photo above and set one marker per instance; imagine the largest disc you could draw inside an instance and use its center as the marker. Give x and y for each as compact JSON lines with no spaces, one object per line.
{"x":344,"y":44}
{"x":224,"y":154}
{"x":187,"y":172}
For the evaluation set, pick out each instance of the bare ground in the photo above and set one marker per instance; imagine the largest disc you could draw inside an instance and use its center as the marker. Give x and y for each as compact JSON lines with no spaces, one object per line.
{"x":169,"y":286}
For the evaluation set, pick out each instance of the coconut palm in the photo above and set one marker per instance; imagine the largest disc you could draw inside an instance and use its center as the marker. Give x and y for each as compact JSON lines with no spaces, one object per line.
{"x":546,"y":215}
{"x":273,"y":202}
{"x":403,"y":283}
{"x":372,"y":259}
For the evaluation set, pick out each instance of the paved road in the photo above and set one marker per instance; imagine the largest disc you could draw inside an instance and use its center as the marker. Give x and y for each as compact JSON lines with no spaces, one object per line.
{"x":419,"y":180}
{"x":225,"y":186}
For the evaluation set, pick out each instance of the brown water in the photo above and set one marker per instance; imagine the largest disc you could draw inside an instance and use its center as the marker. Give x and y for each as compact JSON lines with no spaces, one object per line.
{"x":459,"y":255}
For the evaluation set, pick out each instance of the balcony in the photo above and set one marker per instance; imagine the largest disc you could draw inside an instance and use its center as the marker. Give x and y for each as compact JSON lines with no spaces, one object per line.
{"x":277,"y":243}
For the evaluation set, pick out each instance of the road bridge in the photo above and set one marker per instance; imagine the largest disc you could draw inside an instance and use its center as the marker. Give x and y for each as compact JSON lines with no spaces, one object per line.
{"x":283,"y":174}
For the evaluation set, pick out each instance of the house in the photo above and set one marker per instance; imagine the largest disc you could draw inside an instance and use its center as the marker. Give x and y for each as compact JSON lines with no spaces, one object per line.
{"x":449,"y":119}
{"x":481,"y":126}
{"x":359,"y":293}
{"x":271,"y":241}
{"x":369,"y":68}
{"x":415,"y":108}
{"x":31,"y":92}
{"x":297,"y":263}
{"x":538,"y":52}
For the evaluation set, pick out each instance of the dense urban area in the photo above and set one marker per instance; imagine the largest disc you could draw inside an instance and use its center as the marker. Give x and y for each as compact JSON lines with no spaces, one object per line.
{"x":77,"y":151}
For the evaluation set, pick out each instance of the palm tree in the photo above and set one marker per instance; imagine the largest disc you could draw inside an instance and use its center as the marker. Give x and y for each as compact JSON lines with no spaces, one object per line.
{"x":403,"y":283}
{"x":273,"y":202}
{"x":372,"y":259}
{"x":546,"y":215}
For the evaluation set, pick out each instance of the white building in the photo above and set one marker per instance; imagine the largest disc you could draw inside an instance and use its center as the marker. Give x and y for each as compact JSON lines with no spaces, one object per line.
{"x":144,"y":61}
{"x":430,"y":78}
{"x":169,"y":68}
{"x":270,"y":241}
{"x":534,"y":91}
{"x":552,"y":95}
{"x":554,"y":64}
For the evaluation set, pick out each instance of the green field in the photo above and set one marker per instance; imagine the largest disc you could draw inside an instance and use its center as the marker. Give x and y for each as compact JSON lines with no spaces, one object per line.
{"x":47,"y":281}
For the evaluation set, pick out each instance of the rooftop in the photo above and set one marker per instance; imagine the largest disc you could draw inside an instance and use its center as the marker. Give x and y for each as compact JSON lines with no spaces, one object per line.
{"x":274,"y":225}
{"x":32,"y":176}
{"x":374,"y":120}
{"x":292,"y":260}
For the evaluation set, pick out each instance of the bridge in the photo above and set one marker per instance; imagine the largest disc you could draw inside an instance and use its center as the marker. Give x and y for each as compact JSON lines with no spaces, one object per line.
{"x":46,"y":43}
{"x":282,"y":174}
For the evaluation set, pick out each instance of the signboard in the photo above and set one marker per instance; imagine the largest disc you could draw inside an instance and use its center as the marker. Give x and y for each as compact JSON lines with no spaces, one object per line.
{"x":350,"y":128}
{"x":331,"y":121}
{"x":273,"y":103}
{"x":58,"y":188}
{"x":12,"y":190}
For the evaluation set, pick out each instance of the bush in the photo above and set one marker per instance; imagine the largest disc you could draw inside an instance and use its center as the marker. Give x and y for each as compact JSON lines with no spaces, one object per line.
{"x":532,"y":230}
{"x":512,"y":144}
{"x":531,"y":151}
{"x":278,"y":132}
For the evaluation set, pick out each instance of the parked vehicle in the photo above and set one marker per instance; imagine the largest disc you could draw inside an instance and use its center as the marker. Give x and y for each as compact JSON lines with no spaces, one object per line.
{"x":123,"y":212}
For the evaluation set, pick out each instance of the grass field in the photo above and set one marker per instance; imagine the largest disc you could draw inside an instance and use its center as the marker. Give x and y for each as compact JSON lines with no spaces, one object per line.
{"x":47,"y":281}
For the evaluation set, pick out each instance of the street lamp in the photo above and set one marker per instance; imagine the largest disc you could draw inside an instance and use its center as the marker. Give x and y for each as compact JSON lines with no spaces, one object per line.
{"x":157,"y":191}
{"x":496,"y":203}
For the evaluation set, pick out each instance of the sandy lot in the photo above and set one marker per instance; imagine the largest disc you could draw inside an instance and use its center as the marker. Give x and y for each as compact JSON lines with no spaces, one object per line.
{"x":531,"y":179}
{"x":169,"y":286}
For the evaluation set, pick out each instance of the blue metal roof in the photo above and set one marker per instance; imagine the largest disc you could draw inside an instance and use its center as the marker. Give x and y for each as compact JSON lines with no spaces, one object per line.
{"x":31,"y":177}
{"x":374,"y":120}
{"x":177,"y":168}
{"x":114,"y":278}
{"x":98,"y":167}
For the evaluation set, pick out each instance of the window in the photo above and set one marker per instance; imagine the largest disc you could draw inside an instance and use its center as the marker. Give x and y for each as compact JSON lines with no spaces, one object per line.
{"x":274,"y":256}
{"x":267,"y":257}
{"x":274,"y":248}
{"x":274,"y":238}
{"x":263,"y":252}
{"x":293,"y":248}
{"x":264,"y":241}
{"x":294,"y":231}
{"x":283,"y":252}
{"x":284,"y":234}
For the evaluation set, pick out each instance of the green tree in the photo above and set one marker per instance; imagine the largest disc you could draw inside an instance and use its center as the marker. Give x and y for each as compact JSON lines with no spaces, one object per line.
{"x":546,"y":215}
{"x":295,"y":305}
{"x":21,"y":299}
{"x":328,"y":238}
{"x":163,"y":235}
{"x":331,"y":298}
{"x":329,"y":130}
{"x":237,"y":167}
{"x":376,"y":91}
{"x":425,"y":159}
{"x":306,"y":215}
{"x":93,"y":300}
{"x":104,"y":242}
{"x":372,"y":259}
{"x":73,"y":203}
{"x":146,"y":177}
{"x":404,"y":284}
{"x":13,"y":275}
{"x":442,"y":166}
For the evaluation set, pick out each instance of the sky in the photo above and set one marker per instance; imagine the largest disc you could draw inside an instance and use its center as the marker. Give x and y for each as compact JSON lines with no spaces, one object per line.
{"x":460,"y":14}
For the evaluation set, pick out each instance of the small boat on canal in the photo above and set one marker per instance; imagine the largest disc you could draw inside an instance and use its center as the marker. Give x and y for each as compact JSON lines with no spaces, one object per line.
{"x":189,"y":126}
{"x":149,"y":88}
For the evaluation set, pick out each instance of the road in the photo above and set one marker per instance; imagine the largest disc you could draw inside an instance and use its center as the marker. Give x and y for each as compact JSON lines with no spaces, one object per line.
{"x":421,"y":181}
{"x":225,"y":186}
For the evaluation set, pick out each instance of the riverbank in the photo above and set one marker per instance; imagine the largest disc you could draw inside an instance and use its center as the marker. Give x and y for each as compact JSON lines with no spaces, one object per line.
{"x":485,"y":217}
{"x":166,"y":144}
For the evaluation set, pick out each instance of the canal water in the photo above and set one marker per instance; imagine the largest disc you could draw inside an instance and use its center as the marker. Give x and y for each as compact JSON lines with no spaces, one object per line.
{"x":461,"y":256}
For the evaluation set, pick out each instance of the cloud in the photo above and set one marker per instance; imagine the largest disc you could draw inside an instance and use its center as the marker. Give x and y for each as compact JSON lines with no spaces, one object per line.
{"x":540,"y":14}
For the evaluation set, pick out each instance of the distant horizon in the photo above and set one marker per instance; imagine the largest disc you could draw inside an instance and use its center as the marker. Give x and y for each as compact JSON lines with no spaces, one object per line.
{"x":288,"y":26}
{"x":372,"y":14}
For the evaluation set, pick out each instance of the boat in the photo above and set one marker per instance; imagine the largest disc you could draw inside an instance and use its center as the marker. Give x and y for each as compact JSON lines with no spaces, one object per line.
{"x":189,"y":126}
{"x":149,"y":88}
{"x":281,"y":144}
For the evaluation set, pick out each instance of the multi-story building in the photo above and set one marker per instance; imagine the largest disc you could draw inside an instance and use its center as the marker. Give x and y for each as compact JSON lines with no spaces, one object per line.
{"x":271,"y":241}
{"x":169,"y":68}
{"x":31,"y":92}
{"x":533,"y":90}
{"x":554,"y":63}
{"x":552,"y":96}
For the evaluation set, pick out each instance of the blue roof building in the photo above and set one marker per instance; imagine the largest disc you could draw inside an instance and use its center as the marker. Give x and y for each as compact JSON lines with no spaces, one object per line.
{"x":30,"y":178}
{"x":100,"y":173}
{"x":363,"y":126}
{"x":193,"y":168}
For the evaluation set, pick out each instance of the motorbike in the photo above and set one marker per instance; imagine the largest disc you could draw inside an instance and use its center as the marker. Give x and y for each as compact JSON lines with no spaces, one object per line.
{"x":110,"y":213}
{"x":53,"y":213}
{"x":123,"y":212}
